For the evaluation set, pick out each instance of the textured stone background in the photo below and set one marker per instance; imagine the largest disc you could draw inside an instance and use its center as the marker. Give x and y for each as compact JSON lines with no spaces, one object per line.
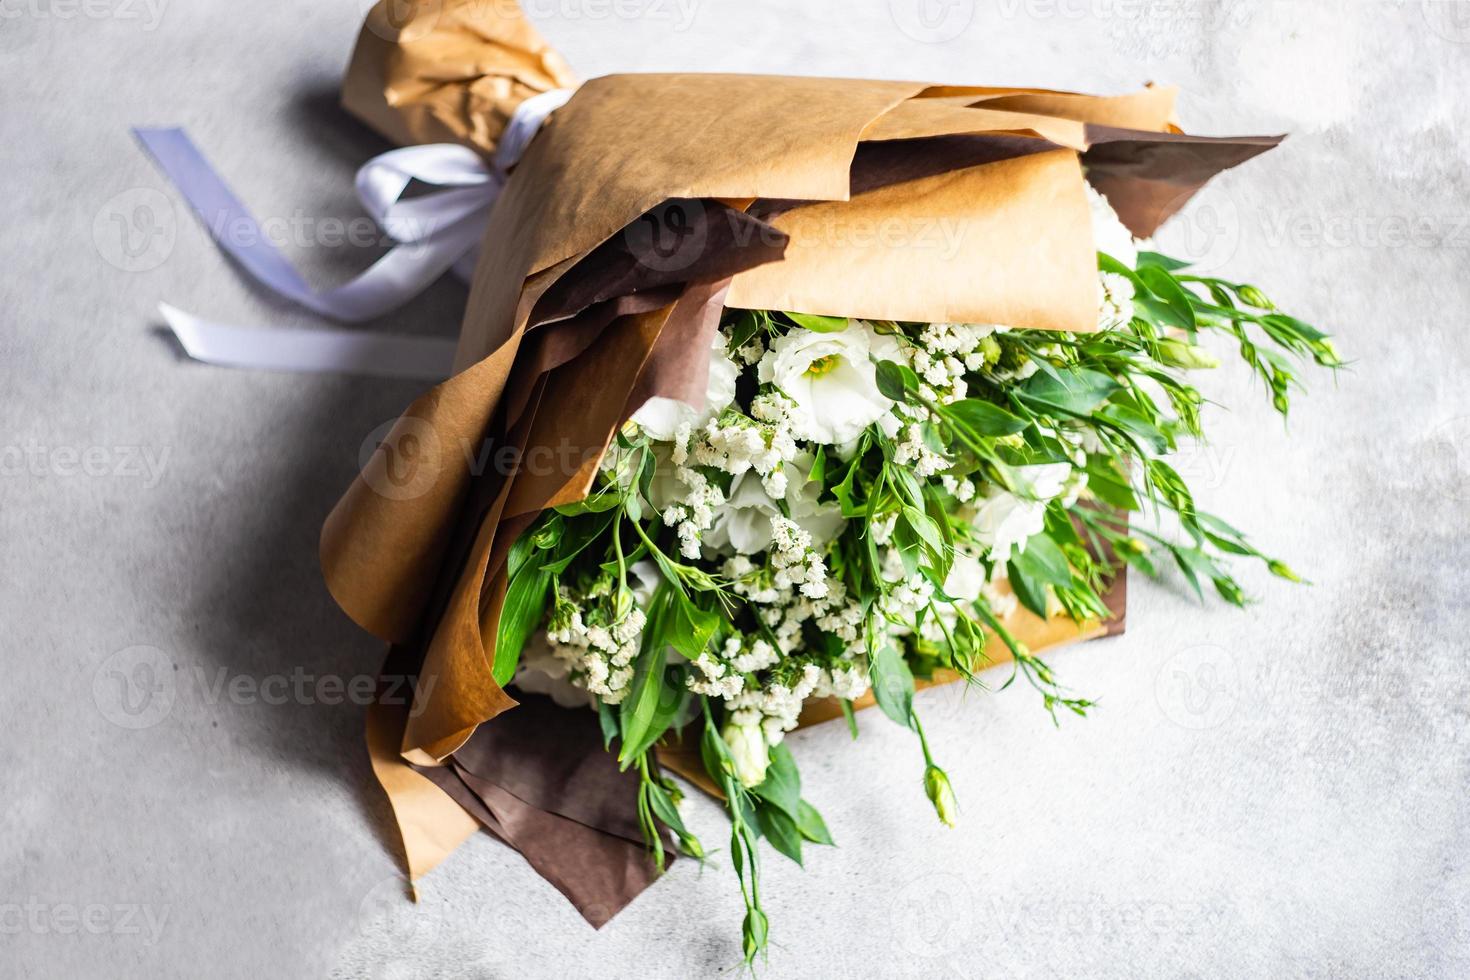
{"x":1262,"y":794}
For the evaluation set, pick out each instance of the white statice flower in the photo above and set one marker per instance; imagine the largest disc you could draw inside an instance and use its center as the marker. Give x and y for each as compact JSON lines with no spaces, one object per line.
{"x":944,"y":352}
{"x":830,"y":378}
{"x":661,"y":417}
{"x":774,"y":710}
{"x":913,"y":452}
{"x":1116,"y":308}
{"x":599,"y":655}
{"x":849,"y":682}
{"x":1110,"y":236}
{"x":1005,"y":521}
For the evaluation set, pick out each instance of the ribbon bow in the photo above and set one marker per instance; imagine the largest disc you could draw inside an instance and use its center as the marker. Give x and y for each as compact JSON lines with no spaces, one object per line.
{"x":435,"y":231}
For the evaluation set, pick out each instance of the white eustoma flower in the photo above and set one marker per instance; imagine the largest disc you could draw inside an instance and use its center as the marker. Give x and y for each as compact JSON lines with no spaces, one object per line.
{"x":750,"y":752}
{"x":965,"y":579}
{"x":541,"y":671}
{"x":1005,"y":521}
{"x":661,"y":417}
{"x":743,"y":521}
{"x":831,"y":378}
{"x":1109,"y":234}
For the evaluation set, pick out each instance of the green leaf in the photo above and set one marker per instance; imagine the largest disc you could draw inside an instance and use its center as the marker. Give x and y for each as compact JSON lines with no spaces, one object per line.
{"x":1030,"y":590}
{"x":746,"y":325}
{"x":1043,"y":560}
{"x":819,"y":324}
{"x":984,"y":418}
{"x":782,"y":786}
{"x":1172,"y":295}
{"x":665,"y":809}
{"x":609,"y":722}
{"x":638,"y":711}
{"x":1138,"y":424}
{"x":811,"y":824}
{"x":595,"y":504}
{"x":896,"y":381}
{"x":1107,"y":484}
{"x":577,"y":537}
{"x":1078,"y":391}
{"x":818,"y":474}
{"x":520,"y":550}
{"x":525,"y":604}
{"x":715,"y":755}
{"x":781,"y":830}
{"x":893,"y":684}
{"x":689,"y":627}
{"x":1160,"y":261}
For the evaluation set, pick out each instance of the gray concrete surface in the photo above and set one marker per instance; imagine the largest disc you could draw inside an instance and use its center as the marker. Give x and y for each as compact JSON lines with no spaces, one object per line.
{"x":1263,"y":794}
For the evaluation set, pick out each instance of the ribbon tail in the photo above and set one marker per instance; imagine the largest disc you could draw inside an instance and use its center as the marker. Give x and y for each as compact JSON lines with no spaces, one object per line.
{"x":404,"y":272}
{"x":312,"y":351}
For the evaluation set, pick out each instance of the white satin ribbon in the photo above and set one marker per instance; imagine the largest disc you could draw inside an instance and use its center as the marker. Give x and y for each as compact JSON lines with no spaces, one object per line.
{"x":436,"y":231}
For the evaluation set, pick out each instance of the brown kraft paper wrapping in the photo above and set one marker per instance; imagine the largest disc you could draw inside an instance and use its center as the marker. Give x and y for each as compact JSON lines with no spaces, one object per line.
{"x":894,"y":200}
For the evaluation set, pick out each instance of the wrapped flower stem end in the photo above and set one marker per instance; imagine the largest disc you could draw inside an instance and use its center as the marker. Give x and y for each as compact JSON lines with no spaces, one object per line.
{"x":815,"y":391}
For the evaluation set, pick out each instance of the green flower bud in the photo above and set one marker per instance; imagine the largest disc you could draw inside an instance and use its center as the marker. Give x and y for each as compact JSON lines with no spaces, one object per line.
{"x":1281,"y":402}
{"x":1133,"y":546}
{"x":1253,"y":296}
{"x":755,"y":930}
{"x":691,"y":846}
{"x":990,"y":350}
{"x":698,"y":579}
{"x":937,"y":788}
{"x":1282,"y":570}
{"x":1230,"y":591}
{"x":1327,"y":354}
{"x":1189,"y":356}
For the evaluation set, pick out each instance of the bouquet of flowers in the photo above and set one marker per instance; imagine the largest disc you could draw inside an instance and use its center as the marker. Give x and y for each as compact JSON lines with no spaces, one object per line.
{"x":804,"y":470}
